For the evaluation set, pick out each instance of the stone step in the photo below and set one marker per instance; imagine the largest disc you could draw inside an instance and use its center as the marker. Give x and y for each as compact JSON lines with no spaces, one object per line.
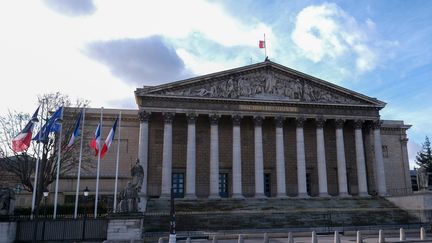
{"x":214,"y":215}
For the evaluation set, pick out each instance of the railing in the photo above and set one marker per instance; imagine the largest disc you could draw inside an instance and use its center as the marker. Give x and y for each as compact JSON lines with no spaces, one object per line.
{"x":62,"y":230}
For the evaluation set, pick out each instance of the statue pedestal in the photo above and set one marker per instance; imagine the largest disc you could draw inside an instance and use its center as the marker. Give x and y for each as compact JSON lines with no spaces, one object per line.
{"x":124,"y":229}
{"x":419,"y":204}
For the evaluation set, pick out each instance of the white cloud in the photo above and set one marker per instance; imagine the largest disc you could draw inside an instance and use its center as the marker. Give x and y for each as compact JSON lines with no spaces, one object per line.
{"x":327,"y":32}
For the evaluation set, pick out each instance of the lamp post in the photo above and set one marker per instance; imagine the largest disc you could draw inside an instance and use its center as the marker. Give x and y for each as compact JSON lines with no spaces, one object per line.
{"x":86,"y":193}
{"x":45,"y":195}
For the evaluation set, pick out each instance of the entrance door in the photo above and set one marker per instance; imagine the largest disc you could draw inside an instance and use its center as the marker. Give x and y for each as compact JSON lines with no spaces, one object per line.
{"x":267,"y":184}
{"x":178,"y":184}
{"x":223,"y":184}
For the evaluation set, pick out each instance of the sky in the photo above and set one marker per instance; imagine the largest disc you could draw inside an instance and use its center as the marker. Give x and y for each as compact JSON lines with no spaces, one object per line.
{"x":102,"y":50}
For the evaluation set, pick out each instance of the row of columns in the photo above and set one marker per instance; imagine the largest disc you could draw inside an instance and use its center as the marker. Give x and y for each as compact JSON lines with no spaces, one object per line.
{"x":259,"y":159}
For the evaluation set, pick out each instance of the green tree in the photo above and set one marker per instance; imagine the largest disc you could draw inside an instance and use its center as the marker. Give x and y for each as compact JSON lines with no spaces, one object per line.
{"x":424,"y":156}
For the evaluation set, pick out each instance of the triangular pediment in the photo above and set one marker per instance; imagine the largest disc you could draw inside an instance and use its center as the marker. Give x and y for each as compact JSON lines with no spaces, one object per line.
{"x":265,"y":81}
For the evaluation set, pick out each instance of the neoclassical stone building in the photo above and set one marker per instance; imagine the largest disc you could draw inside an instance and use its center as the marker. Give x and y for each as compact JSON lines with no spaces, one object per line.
{"x":265,"y":130}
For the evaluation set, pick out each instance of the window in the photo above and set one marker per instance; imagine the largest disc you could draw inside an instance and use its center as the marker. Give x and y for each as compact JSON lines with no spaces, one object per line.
{"x":178,"y":184}
{"x":223,"y":184}
{"x":385,"y":151}
{"x":267,"y":184}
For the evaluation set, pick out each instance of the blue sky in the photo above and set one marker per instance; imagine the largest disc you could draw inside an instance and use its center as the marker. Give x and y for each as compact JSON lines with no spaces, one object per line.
{"x":102,"y":50}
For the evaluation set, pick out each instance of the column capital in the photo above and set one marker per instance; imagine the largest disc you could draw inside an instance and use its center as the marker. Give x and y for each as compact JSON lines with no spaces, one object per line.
{"x":214,"y":119}
{"x":236,"y":119}
{"x":168,"y":117}
{"x":339,"y":123}
{"x":300,"y":121}
{"x":191,"y":118}
{"x":279,"y":120}
{"x":258,"y":120}
{"x":144,"y":116}
{"x":358,"y":124}
{"x":376,"y":124}
{"x":320,"y":122}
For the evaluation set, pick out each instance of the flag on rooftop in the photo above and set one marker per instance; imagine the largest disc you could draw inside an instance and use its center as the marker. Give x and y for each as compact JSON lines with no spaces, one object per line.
{"x":22,"y":141}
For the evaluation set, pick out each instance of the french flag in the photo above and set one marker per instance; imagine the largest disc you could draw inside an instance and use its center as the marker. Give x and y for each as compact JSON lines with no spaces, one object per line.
{"x":22,"y":141}
{"x":95,"y":142}
{"x":75,"y":133}
{"x":109,"y":139}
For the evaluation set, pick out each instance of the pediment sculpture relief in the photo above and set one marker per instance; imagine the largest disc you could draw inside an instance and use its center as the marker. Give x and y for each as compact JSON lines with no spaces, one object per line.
{"x":263,"y":85}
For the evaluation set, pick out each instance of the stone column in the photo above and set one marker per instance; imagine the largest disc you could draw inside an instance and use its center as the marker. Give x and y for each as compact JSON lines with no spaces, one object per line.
{"x":321,"y":158}
{"x":167,"y":156}
{"x":190,"y":157}
{"x":280,"y":158}
{"x":144,"y":118}
{"x":237,"y":166}
{"x":301,"y":161}
{"x":340,"y":156}
{"x":259,"y":158}
{"x":379,"y":161}
{"x":360,"y":159}
{"x":214,"y":157}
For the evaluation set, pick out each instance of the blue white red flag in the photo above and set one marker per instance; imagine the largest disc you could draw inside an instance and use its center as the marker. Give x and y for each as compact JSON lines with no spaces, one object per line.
{"x":109,"y":139}
{"x":22,"y":141}
{"x":75,"y":133}
{"x":95,"y":142}
{"x":52,"y":125}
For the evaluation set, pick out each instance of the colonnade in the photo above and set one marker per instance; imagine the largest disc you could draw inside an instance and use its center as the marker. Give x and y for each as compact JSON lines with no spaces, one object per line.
{"x":190,"y":187}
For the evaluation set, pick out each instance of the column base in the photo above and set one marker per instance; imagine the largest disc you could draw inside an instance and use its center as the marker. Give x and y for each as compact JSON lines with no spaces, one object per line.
{"x":190,"y":196}
{"x":303,"y":195}
{"x":237,"y":196}
{"x":260,"y":196}
{"x":363,"y":194}
{"x":282,"y":195}
{"x":344,"y":194}
{"x":324,"y":194}
{"x":214,"y":196}
{"x":165,"y":196}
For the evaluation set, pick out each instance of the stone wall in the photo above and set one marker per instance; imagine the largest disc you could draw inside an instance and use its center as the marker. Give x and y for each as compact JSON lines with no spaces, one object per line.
{"x":7,"y":232}
{"x":124,"y":229}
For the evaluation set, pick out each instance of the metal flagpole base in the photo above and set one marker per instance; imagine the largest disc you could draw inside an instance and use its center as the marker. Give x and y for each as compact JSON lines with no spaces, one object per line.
{"x":172,"y":238}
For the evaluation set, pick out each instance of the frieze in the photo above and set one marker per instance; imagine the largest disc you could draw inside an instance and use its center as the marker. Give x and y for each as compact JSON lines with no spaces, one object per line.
{"x":263,"y":84}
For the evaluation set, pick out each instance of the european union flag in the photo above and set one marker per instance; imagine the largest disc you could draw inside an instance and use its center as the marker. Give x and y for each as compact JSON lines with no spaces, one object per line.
{"x":52,"y":125}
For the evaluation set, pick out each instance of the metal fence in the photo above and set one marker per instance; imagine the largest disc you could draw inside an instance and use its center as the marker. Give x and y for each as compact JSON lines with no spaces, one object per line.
{"x":62,"y":230}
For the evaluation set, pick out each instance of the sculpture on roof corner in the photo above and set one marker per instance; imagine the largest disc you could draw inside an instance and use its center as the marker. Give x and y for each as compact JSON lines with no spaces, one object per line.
{"x":129,"y":196}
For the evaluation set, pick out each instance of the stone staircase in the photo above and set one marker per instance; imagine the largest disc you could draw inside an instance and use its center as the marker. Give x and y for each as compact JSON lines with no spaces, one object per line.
{"x":231,"y":215}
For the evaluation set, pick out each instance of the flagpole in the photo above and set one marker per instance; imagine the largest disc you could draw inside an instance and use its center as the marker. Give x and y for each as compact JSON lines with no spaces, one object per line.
{"x":58,"y":165}
{"x":37,"y":163}
{"x":98,"y":165}
{"x":79,"y":165}
{"x":117,"y":165}
{"x":265,"y":47}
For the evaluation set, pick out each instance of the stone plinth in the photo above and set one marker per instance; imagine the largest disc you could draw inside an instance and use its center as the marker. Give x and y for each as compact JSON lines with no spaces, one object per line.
{"x":126,"y":229}
{"x":418,"y":204}
{"x":7,"y":232}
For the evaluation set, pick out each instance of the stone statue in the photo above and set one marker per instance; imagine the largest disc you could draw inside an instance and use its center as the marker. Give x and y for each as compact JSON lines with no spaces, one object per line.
{"x":7,"y":199}
{"x":422,"y":178}
{"x":129,"y":197}
{"x":137,"y":173}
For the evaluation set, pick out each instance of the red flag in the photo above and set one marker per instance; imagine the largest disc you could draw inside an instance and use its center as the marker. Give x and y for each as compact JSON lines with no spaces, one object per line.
{"x":109,"y":139}
{"x":94,"y":143}
{"x":261,"y":44}
{"x":22,"y":141}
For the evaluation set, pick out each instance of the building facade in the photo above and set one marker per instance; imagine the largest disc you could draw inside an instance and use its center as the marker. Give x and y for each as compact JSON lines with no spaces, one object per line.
{"x":258,"y":131}
{"x":266,"y":130}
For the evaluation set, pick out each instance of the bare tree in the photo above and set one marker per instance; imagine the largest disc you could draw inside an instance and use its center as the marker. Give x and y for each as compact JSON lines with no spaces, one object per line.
{"x":22,"y":164}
